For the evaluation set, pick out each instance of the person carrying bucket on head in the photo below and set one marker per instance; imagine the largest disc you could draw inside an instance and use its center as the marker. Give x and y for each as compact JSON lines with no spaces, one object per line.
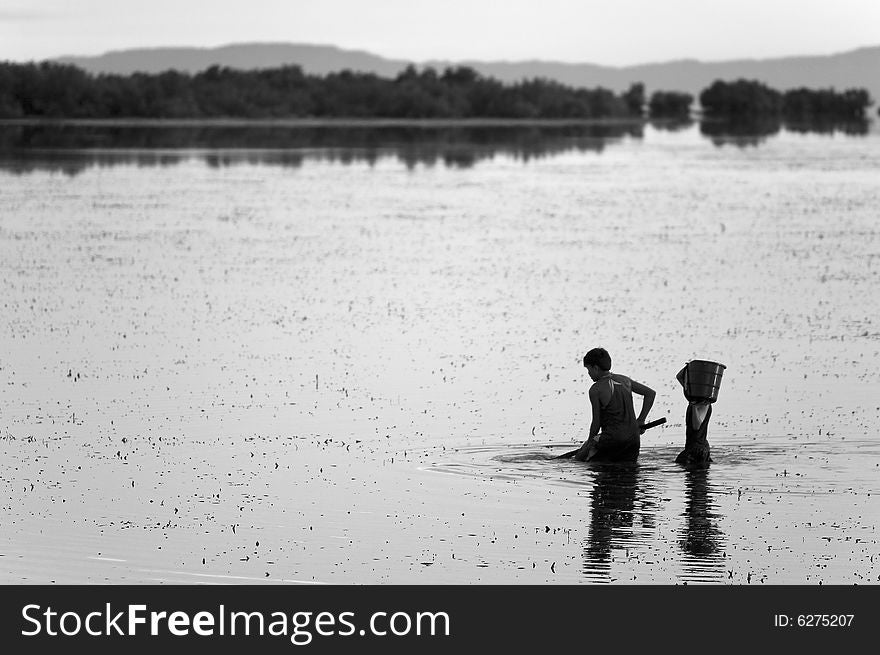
{"x":615,"y":429}
{"x":700,"y":381}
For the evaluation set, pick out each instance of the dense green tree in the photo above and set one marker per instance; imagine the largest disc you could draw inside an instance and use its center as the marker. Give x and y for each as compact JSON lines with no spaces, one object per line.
{"x":740,"y":99}
{"x":10,"y":104}
{"x":670,"y":104}
{"x":807,"y":105}
{"x":634,"y":98}
{"x":746,"y":100}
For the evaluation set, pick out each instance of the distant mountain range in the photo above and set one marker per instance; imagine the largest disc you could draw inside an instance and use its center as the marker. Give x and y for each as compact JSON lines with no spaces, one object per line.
{"x":856,"y":68}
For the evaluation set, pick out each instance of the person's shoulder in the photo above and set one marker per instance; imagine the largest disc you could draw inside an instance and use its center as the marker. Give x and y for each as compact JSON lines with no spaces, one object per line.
{"x":623,"y":381}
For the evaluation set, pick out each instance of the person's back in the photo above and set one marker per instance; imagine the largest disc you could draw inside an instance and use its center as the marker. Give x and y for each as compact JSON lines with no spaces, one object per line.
{"x":617,"y":416}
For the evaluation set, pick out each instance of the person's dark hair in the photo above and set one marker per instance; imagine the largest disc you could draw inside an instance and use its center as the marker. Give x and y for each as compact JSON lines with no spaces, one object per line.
{"x":598,"y":357}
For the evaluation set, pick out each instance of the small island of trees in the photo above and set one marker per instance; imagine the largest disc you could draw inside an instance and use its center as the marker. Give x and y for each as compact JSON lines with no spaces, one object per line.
{"x":670,"y":104}
{"x":750,"y":99}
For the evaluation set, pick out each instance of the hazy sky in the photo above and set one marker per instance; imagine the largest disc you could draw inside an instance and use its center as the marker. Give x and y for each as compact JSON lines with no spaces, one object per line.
{"x":612,"y":32}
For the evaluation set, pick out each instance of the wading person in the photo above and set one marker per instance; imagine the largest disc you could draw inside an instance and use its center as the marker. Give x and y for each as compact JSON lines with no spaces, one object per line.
{"x":696,"y":424}
{"x":615,"y":429}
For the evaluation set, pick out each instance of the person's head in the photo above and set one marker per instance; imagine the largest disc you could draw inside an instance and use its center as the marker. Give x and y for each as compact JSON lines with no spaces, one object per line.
{"x":597,"y":362}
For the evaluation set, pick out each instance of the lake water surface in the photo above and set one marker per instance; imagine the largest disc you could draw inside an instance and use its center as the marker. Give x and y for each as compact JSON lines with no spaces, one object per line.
{"x":346,"y":355}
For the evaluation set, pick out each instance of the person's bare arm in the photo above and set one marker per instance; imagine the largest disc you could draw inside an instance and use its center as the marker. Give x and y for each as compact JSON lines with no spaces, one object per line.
{"x":699,"y":414}
{"x":680,"y":375}
{"x":648,"y":396}
{"x":584,"y":451}
{"x":595,"y":426}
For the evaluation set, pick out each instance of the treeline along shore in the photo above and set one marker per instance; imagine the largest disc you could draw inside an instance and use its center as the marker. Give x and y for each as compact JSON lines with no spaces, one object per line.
{"x":51,"y":90}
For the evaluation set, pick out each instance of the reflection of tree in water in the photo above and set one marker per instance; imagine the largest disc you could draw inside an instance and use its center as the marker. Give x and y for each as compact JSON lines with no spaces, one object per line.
{"x":622,"y":511}
{"x":754,"y":131}
{"x":72,"y":148}
{"x":750,"y":132}
{"x":671,"y":125}
{"x":700,"y":538}
{"x":829,"y":126}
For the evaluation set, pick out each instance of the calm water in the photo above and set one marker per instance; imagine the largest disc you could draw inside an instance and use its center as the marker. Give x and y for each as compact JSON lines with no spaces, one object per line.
{"x":348,"y":355}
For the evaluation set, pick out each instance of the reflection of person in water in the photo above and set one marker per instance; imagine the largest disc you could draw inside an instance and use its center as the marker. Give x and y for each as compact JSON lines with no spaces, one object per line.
{"x":701,"y":537}
{"x":617,"y":500}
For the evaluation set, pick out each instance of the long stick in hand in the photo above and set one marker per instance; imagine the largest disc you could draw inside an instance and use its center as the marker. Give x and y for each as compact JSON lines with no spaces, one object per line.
{"x":646,"y":426}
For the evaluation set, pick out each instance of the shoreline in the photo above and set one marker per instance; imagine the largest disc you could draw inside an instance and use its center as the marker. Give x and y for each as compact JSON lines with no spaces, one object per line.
{"x":370,"y":123}
{"x":425,"y":123}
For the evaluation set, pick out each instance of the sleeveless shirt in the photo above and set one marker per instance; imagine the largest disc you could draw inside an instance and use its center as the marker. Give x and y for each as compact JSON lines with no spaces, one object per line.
{"x":617,"y":417}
